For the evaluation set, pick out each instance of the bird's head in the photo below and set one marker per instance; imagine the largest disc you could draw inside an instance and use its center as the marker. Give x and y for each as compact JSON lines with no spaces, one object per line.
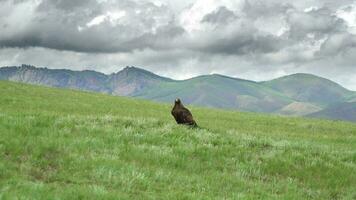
{"x":177,"y":101}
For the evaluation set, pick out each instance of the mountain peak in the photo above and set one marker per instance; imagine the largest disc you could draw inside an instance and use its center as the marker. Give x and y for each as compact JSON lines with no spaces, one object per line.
{"x":302,"y":78}
{"x":131,"y":71}
{"x":309,"y":88}
{"x":24,"y":66}
{"x":136,"y":70}
{"x":130,"y":68}
{"x":303,"y":75}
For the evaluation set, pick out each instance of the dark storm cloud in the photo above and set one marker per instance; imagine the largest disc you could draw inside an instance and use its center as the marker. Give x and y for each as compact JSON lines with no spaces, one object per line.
{"x":233,"y":35}
{"x":241,"y":41}
{"x":65,"y":25}
{"x":125,"y":26}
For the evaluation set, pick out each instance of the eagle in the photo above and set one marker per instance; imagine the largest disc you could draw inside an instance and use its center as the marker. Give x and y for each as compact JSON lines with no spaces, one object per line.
{"x":182,"y":115}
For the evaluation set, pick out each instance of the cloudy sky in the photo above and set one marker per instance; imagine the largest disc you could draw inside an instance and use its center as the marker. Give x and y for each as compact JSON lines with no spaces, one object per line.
{"x":252,"y":39}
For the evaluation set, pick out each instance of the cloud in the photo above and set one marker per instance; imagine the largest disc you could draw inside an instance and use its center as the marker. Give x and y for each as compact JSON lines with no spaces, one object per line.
{"x":338,"y":44}
{"x":316,"y":22}
{"x":251,"y":39}
{"x":222,"y":15}
{"x":93,"y":27}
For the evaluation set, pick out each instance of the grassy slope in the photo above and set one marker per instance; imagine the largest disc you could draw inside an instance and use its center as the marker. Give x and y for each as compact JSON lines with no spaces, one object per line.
{"x":341,"y":111}
{"x":71,"y":145}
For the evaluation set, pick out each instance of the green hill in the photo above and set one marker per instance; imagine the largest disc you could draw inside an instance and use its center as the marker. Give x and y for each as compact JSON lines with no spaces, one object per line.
{"x":66,"y":144}
{"x":340,"y":111}
{"x":296,"y":95}
{"x":132,"y":80}
{"x":220,"y":92}
{"x":309,"y":88}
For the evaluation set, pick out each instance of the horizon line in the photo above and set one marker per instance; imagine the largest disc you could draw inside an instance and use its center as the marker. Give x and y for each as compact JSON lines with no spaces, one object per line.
{"x":212,"y":74}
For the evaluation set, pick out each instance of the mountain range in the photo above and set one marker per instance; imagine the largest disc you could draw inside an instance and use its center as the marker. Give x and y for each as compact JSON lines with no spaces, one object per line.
{"x":297,"y":95}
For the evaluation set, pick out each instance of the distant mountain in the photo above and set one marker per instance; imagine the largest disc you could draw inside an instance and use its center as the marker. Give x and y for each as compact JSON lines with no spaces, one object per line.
{"x":297,"y":94}
{"x":81,"y":80}
{"x":126,"y":82}
{"x":340,"y":111}
{"x":220,"y":92}
{"x":131,"y":81}
{"x":309,"y":88}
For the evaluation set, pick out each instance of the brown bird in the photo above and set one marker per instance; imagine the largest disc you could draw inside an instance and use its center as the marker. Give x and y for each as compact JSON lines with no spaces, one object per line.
{"x":182,"y":115}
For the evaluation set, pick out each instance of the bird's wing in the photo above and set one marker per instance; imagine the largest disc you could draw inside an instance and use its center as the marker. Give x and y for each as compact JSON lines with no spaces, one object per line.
{"x":187,"y":111}
{"x":174,"y":113}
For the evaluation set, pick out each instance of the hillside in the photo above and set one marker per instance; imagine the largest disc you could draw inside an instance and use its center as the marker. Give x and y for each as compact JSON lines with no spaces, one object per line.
{"x":299,"y":108}
{"x":220,"y":92}
{"x":82,"y":80}
{"x":341,"y":111}
{"x":66,"y":144}
{"x":132,"y":80}
{"x":309,"y":88}
{"x":296,"y":95}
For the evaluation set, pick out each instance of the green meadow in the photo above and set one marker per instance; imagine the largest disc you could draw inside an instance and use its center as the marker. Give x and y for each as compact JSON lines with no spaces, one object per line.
{"x":66,"y":144}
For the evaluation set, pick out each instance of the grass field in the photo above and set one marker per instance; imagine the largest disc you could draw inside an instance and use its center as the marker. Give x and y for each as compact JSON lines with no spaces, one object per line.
{"x":65,"y":144}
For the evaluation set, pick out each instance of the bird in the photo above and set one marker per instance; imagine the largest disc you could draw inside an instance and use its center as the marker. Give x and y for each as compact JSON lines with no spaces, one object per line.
{"x":182,"y":115}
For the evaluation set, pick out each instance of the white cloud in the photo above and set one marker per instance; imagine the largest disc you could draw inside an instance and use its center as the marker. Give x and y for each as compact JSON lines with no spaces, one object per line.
{"x":348,"y":13}
{"x":96,"y":21}
{"x":112,"y":17}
